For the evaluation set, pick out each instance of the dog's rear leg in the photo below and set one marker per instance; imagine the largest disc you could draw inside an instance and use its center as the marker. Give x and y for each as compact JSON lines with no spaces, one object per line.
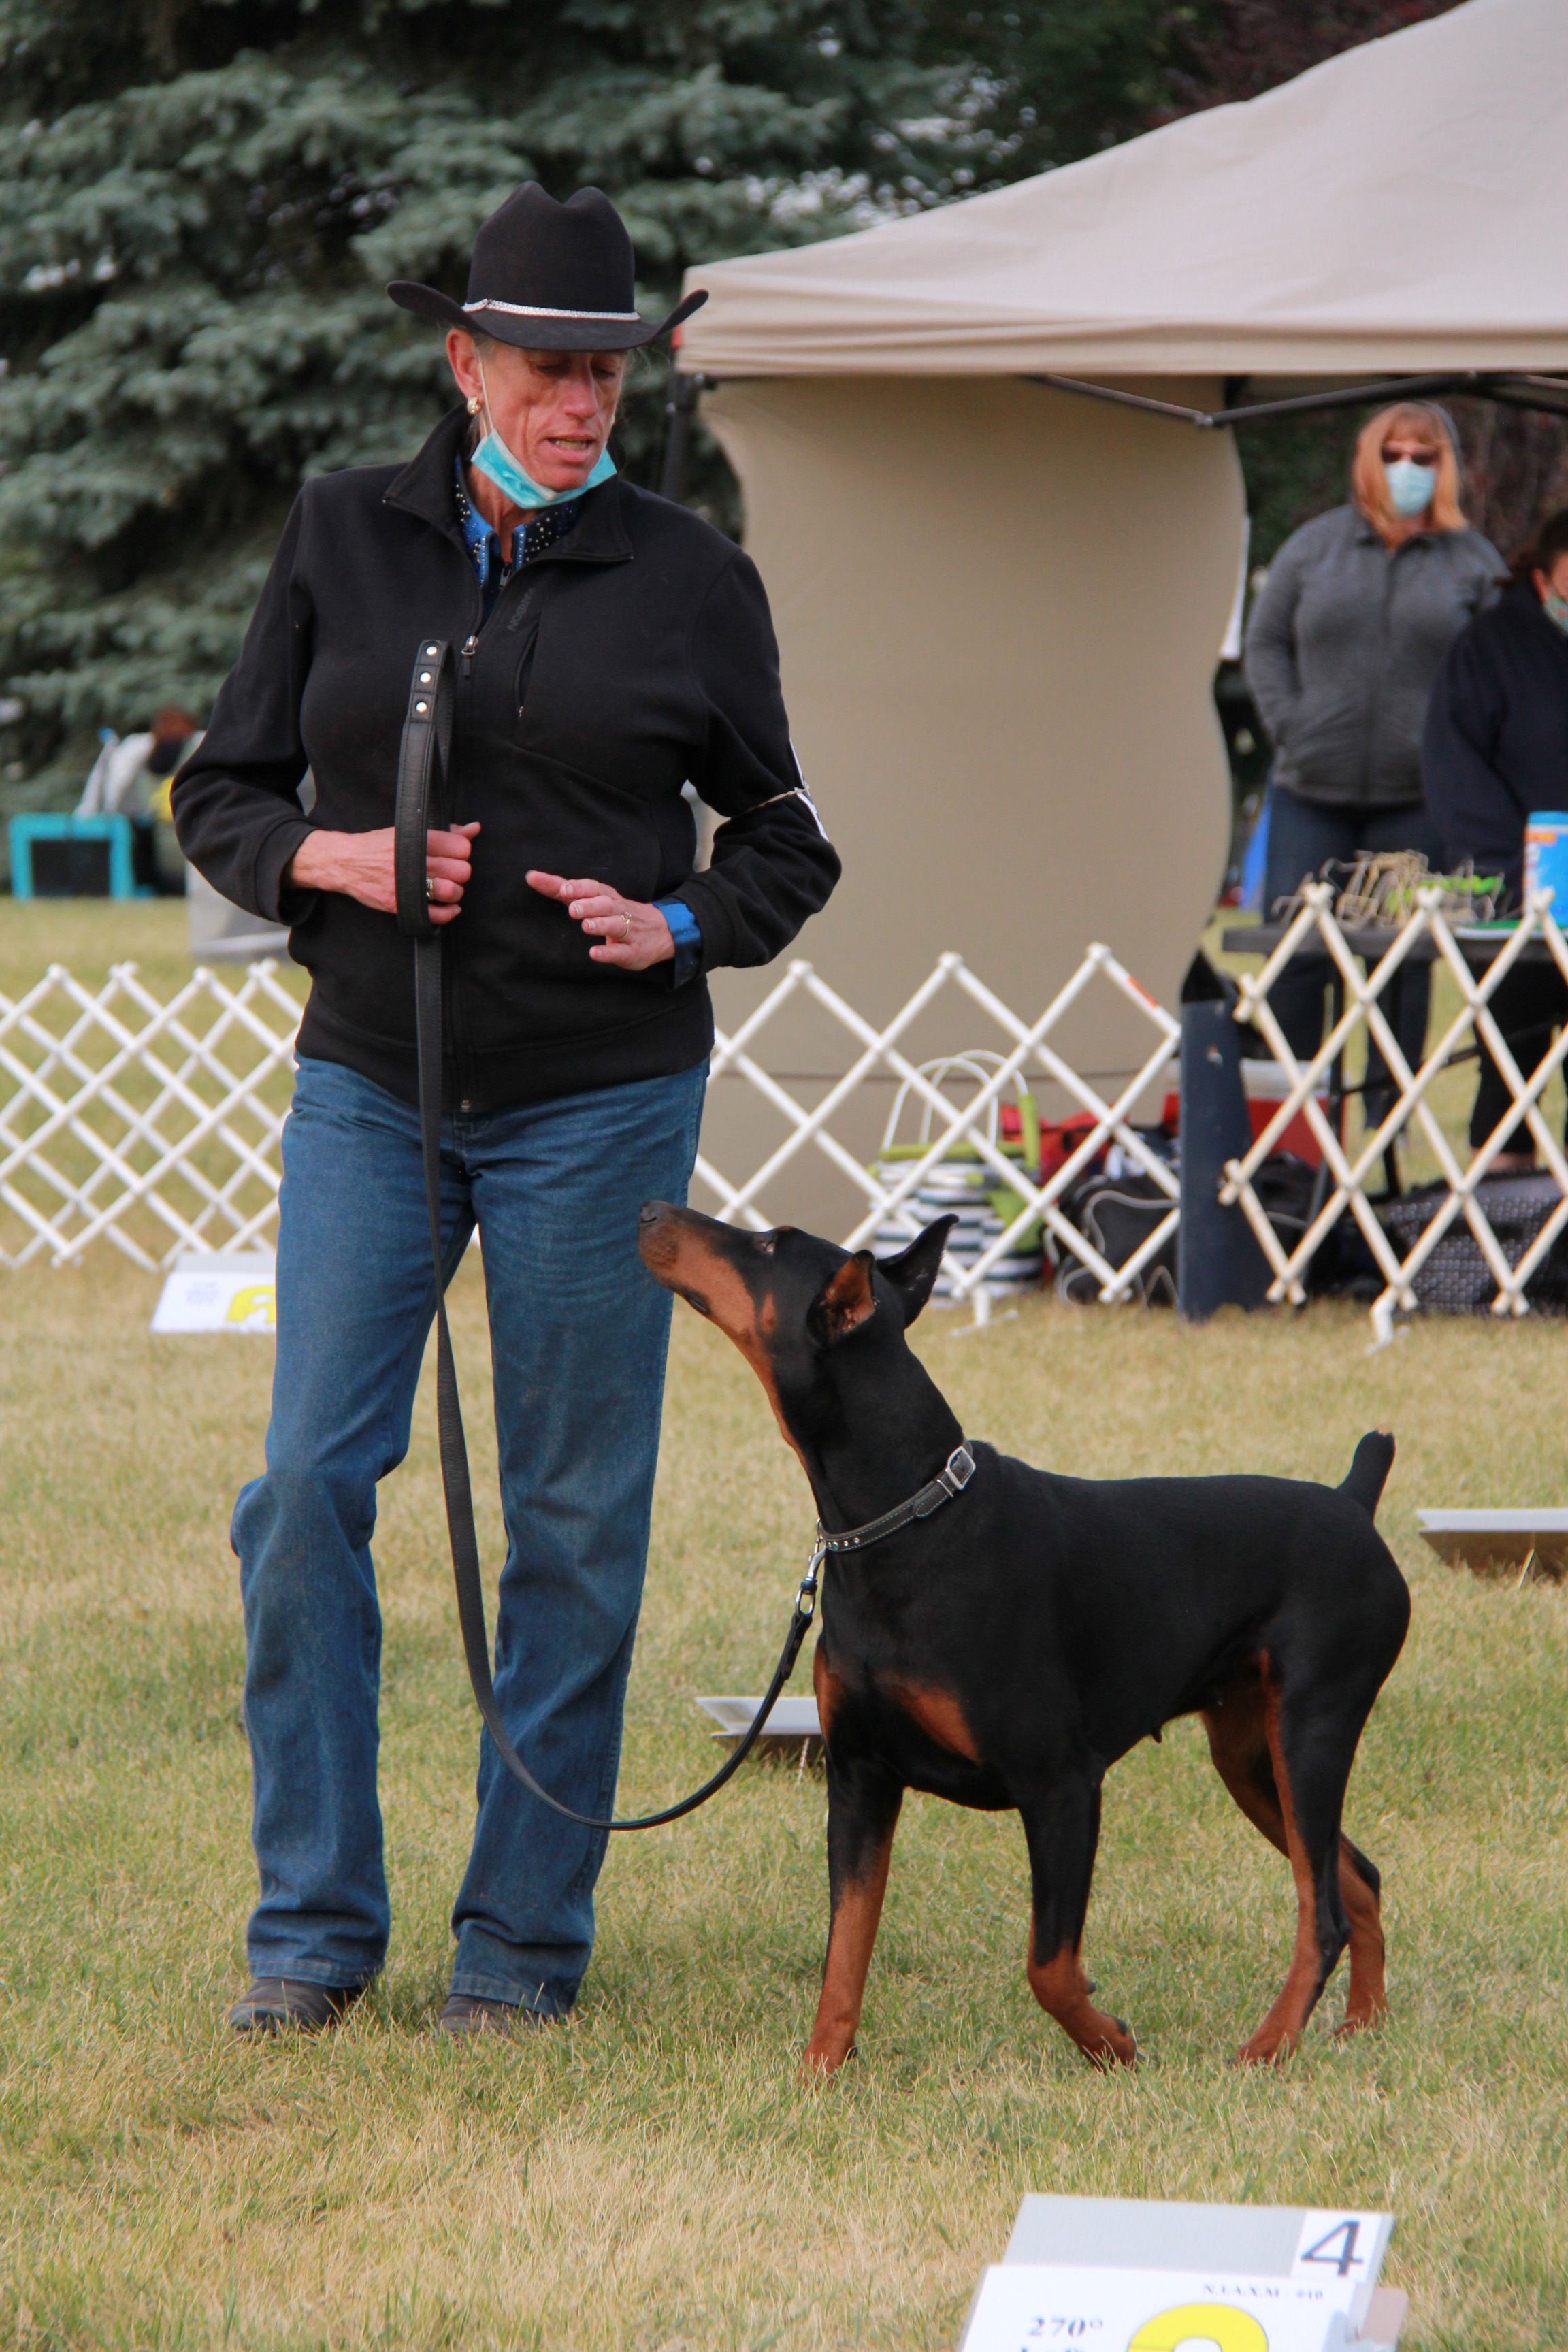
{"x":863,"y":1804}
{"x":1239,"y":1742}
{"x":1309,"y":1779}
{"x":1062,"y":1827}
{"x":1361,"y":1891}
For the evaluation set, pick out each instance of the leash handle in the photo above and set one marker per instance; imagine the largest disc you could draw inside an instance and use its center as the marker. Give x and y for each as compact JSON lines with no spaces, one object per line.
{"x":422,"y":798}
{"x":423,"y":801}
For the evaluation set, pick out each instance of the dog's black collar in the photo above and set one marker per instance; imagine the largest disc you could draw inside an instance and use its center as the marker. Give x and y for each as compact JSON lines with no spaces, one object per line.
{"x":952,"y":1479}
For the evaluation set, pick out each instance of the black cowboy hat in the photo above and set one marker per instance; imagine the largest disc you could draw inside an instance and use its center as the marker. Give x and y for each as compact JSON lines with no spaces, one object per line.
{"x":551,"y":277}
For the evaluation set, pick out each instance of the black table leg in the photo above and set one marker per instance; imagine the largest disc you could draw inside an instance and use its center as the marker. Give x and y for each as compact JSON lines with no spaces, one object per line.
{"x":1336,"y":1094}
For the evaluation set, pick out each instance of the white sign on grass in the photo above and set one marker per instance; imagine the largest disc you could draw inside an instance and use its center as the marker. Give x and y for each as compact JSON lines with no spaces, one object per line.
{"x":1031,"y":2307}
{"x":225,"y":1292}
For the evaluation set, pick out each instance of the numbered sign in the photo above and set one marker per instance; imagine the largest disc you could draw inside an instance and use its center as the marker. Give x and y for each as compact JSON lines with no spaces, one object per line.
{"x":1030,"y":2307}
{"x":219,"y":1293}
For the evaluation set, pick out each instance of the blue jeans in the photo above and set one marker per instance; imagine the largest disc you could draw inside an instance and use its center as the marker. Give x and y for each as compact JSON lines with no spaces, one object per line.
{"x":1302,"y":835}
{"x":578,"y":1332}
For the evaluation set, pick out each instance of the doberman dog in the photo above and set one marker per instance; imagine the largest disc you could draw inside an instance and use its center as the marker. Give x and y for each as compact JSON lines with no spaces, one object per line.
{"x":1004,"y":1650}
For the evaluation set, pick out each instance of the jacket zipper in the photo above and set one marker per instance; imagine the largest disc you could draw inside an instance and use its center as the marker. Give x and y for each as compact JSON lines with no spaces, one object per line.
{"x":462,"y":1066}
{"x":1369,"y":755}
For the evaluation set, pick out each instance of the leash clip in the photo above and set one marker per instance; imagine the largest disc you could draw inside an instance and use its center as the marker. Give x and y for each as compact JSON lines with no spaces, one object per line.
{"x":805,"y":1594}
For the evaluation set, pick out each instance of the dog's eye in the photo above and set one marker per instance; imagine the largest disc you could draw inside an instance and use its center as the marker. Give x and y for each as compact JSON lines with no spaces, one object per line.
{"x":766,"y":1243}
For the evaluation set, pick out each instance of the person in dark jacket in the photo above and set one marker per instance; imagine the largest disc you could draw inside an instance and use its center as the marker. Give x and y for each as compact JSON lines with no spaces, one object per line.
{"x":614,"y":648}
{"x":1496,"y":749}
{"x":1342,"y":646}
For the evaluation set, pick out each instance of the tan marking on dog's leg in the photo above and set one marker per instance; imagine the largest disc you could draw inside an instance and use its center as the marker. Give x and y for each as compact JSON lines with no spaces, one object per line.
{"x":850,"y":1941}
{"x":940,"y":1717}
{"x":828,"y":1689}
{"x":1061,"y":1988}
{"x":1238,"y":1743}
{"x":1367,"y":1999}
{"x":1282,"y":2029}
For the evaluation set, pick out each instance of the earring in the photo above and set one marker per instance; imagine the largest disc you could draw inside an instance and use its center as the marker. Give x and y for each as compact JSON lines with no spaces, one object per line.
{"x":475,"y":404}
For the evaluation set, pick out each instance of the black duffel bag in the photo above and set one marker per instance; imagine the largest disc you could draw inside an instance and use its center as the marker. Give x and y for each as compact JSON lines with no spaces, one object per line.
{"x":1118,"y":1211}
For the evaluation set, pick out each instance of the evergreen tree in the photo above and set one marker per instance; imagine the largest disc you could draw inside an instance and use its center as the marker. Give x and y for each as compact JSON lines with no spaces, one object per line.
{"x":201,"y":202}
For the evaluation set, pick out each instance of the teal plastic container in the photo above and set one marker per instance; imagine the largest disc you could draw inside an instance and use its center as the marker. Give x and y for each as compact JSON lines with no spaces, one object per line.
{"x":1546,"y":857}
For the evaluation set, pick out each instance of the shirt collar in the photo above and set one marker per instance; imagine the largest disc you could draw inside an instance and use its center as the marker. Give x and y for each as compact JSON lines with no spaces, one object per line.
{"x":529,"y":539}
{"x":424,"y":487}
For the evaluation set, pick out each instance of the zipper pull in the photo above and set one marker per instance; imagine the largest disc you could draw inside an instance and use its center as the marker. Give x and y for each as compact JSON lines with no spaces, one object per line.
{"x":469,"y":649}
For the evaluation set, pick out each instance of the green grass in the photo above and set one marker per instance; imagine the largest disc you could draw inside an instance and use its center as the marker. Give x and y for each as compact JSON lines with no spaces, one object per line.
{"x":653,"y":2174}
{"x":89,"y":935}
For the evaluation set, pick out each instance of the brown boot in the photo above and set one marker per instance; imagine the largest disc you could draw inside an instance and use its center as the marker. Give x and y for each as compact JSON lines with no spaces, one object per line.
{"x":274,"y":2002}
{"x":469,"y":2013}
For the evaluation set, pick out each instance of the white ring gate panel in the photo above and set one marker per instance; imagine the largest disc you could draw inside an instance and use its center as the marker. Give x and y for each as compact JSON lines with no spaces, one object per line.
{"x":153,"y":1124}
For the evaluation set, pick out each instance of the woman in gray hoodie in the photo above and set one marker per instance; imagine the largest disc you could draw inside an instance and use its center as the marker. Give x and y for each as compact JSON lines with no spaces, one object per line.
{"x":1343,"y":648}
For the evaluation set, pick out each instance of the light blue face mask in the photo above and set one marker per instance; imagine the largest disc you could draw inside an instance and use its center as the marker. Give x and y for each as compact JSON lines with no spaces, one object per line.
{"x":498,"y":465}
{"x":1410,"y":485}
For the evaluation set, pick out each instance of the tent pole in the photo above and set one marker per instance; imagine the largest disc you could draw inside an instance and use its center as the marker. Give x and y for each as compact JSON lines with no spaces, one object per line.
{"x":1513,"y":390}
{"x":684,"y":393}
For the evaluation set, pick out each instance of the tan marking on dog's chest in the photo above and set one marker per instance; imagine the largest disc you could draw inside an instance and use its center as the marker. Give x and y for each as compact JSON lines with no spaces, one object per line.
{"x":828,"y":1689}
{"x":938,"y":1715}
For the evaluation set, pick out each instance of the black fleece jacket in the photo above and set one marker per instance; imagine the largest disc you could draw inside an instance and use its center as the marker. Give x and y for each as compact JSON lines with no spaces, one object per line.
{"x":1496,"y":743}
{"x":634,"y":656}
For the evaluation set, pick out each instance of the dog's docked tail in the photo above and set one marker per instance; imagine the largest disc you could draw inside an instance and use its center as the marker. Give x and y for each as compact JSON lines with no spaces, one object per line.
{"x":1363,"y":1482}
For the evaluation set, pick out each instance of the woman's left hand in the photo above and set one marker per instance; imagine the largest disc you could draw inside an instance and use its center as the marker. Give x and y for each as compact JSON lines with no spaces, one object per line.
{"x":630,"y":932}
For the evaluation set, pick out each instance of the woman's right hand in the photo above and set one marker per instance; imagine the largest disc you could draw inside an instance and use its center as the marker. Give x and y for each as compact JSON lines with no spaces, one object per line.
{"x":361,"y":865}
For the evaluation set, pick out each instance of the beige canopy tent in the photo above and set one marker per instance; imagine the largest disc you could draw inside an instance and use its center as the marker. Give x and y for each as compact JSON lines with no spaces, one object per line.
{"x":999,"y":602}
{"x":1401,"y":206}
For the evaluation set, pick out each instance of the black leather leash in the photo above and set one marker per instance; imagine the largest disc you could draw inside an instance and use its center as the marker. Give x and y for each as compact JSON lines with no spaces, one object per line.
{"x":421,"y":803}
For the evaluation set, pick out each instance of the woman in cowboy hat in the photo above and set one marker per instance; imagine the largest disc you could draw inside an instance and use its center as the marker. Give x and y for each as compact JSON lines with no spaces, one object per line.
{"x":612,"y":649}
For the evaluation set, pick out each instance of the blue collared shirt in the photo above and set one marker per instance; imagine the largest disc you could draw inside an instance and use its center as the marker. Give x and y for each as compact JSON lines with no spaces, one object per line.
{"x":529,"y":539}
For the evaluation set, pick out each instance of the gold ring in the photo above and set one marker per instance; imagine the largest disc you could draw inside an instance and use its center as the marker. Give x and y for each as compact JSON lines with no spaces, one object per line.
{"x":626,"y":926}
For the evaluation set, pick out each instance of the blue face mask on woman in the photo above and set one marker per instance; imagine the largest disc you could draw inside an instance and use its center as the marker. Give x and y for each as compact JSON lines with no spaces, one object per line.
{"x":498,"y":465}
{"x":1411,"y":482}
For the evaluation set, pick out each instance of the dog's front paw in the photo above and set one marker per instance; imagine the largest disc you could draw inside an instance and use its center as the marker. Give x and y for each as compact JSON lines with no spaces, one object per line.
{"x":1115,"y":2044}
{"x":818,"y":2062}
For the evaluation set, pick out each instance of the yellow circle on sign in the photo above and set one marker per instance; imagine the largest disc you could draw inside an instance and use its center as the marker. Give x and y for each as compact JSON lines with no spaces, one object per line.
{"x":1204,"y":2323}
{"x":254,"y":1305}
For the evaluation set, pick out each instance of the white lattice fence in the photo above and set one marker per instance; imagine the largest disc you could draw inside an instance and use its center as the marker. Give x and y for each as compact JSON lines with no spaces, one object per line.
{"x":155,"y":1125}
{"x":1027,"y":1051}
{"x":1411,"y":1108}
{"x":148,"y":1123}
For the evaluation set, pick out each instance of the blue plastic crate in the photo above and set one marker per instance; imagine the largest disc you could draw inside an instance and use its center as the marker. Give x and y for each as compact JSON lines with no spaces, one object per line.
{"x":83,"y":857}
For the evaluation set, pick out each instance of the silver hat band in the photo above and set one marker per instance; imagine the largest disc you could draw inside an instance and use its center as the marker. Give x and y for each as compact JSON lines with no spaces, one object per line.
{"x":539,"y":310}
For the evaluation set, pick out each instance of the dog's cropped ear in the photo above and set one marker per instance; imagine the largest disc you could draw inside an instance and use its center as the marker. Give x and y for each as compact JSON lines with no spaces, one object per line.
{"x":914,"y":1271}
{"x":846,"y":1303}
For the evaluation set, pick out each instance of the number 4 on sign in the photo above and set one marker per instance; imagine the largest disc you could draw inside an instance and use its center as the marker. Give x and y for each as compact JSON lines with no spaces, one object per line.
{"x":1336,"y":2247}
{"x":1339,"y":2245}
